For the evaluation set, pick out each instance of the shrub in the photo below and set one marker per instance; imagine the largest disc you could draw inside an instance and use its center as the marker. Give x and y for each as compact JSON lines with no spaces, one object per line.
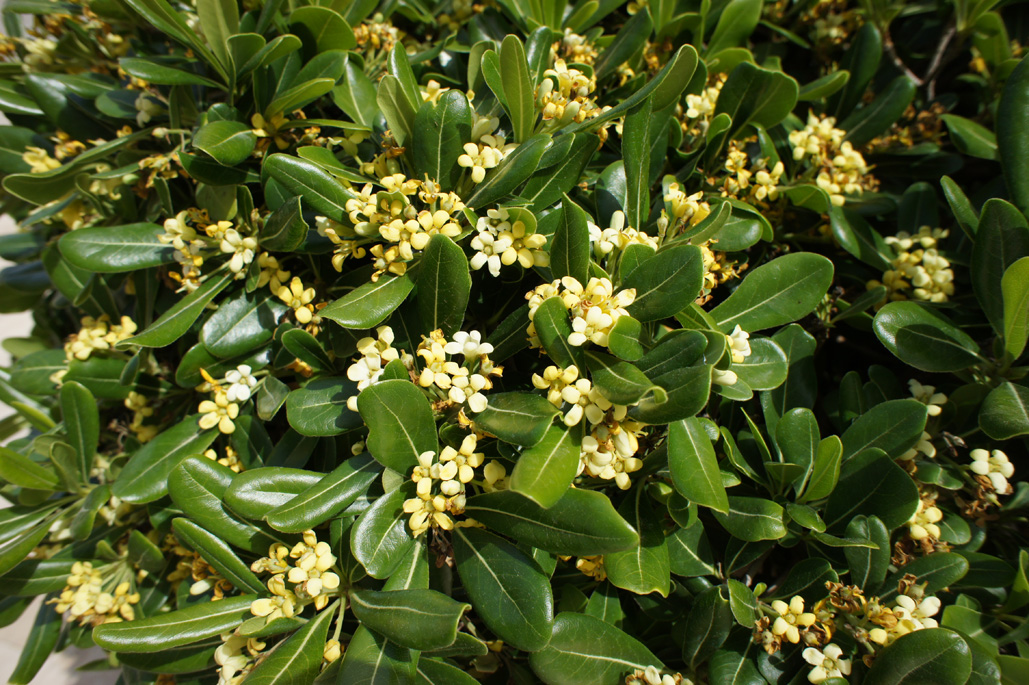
{"x":415,"y":342}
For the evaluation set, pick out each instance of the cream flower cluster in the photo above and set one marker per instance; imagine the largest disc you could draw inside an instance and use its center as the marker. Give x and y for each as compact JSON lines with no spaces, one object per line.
{"x":487,"y":154}
{"x":300,"y":299}
{"x":841,"y":169}
{"x":995,"y":467}
{"x":738,"y":343}
{"x":307,"y":566}
{"x":237,"y":656}
{"x":406,"y":214}
{"x":243,"y":249}
{"x":922,"y":271}
{"x":906,"y":616}
{"x":791,"y":619}
{"x":501,"y":241}
{"x":608,"y":450}
{"x":88,"y":597}
{"x":564,"y":95}
{"x":923,"y":523}
{"x":463,"y":385}
{"x":98,"y":334}
{"x":139,"y":406}
{"x":702,"y":105}
{"x":616,"y":237}
{"x":345,"y":238}
{"x":595,"y":308}
{"x":375,"y":354}
{"x":652,"y":675}
{"x":927,"y":395}
{"x":440,"y":486}
{"x":241,"y":382}
{"x":681,"y":209}
{"x":39,"y":160}
{"x":827,"y":663}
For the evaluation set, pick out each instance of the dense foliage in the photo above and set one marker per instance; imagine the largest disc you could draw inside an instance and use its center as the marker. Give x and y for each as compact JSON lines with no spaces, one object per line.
{"x":414,"y":342}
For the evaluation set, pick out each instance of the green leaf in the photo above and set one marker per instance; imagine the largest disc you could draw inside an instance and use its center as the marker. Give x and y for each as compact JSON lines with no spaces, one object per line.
{"x":1015,"y":289}
{"x":753,"y":519}
{"x":807,"y":578}
{"x":624,"y":340}
{"x":443,"y":129}
{"x":689,"y":552}
{"x":766,"y":366}
{"x":325,"y":499}
{"x":510,"y":593}
{"x":694,"y":466}
{"x":868,"y":566}
{"x":197,"y":486}
{"x":381,"y":539}
{"x":418,"y":619}
{"x":517,"y":417}
{"x":307,"y":349}
{"x":299,"y":96}
{"x":82,"y":423}
{"x":162,"y":74}
{"x":1002,"y":238}
{"x":17,"y":548}
{"x":877,"y":117}
{"x":1012,"y":136}
{"x":444,"y":285}
{"x":707,"y":626}
{"x":735,"y":24}
{"x":645,"y":568}
{"x":938,"y":571}
{"x":368,"y":305}
{"x":517,"y":93}
{"x":923,"y":338}
{"x":893,"y":426}
{"x":318,"y":189}
{"x":637,"y":138}
{"x":970,"y":138}
{"x":41,"y":640}
{"x":321,"y":28}
{"x":242,"y":323}
{"x":585,"y":649}
{"x":752,"y":95}
{"x":665,"y":281}
{"x":228,"y":142}
{"x":218,"y":554}
{"x":620,"y":382}
{"x":553,"y":328}
{"x":175,"y":628}
{"x":544,"y":471}
{"x":625,"y":44}
{"x":164,"y":17}
{"x":400,"y":423}
{"x":355,"y":94}
{"x":434,"y":672}
{"x":823,"y":87}
{"x":113,"y":249}
{"x":515,"y":169}
{"x":255,"y":492}
{"x":743,"y":603}
{"x":177,"y":320}
{"x":550,"y":182}
{"x":872,"y":484}
{"x":297,"y":660}
{"x":145,"y":476}
{"x":219,"y":20}
{"x":570,"y":245}
{"x":776,"y":293}
{"x":934,"y":655}
{"x":1005,"y":412}
{"x":676,"y":364}
{"x":370,"y":658}
{"x":320,"y":407}
{"x":581,"y":523}
{"x":22,"y":471}
{"x":398,"y":110}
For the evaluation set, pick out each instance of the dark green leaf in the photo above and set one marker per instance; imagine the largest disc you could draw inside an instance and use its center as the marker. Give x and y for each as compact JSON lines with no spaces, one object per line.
{"x":370,"y":304}
{"x":585,"y":649}
{"x":176,"y":628}
{"x":517,"y":417}
{"x":545,"y":471}
{"x":418,"y":619}
{"x":112,"y":249}
{"x":145,"y":476}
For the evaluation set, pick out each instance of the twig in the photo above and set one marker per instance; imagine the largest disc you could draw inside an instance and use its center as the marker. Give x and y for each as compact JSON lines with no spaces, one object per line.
{"x":892,"y":52}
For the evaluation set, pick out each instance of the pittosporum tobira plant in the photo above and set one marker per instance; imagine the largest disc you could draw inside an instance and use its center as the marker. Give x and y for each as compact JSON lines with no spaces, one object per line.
{"x":415,"y":342}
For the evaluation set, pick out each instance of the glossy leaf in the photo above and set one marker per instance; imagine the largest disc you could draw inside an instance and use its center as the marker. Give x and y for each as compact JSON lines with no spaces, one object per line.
{"x":581,"y":523}
{"x":586,"y":649}
{"x":645,"y":568}
{"x":923,"y":338}
{"x":113,"y":249}
{"x":316,"y":187}
{"x":145,"y":476}
{"x":874,"y":485}
{"x":776,"y":293}
{"x":1005,"y":412}
{"x":418,"y":619}
{"x":665,"y":282}
{"x":934,"y":655}
{"x":319,"y":408}
{"x":753,"y":519}
{"x":400,"y":423}
{"x":298,"y":659}
{"x":368,"y":305}
{"x":444,"y":285}
{"x":1001,"y":239}
{"x":176,"y":628}
{"x":371,"y":658}
{"x":570,"y":245}
{"x":517,"y":417}
{"x":694,"y":466}
{"x":444,"y":127}
{"x":218,"y":554}
{"x":510,"y":593}
{"x":1015,"y":289}
{"x":1012,"y":136}
{"x":177,"y":320}
{"x":381,"y":539}
{"x":893,"y":427}
{"x":545,"y":471}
